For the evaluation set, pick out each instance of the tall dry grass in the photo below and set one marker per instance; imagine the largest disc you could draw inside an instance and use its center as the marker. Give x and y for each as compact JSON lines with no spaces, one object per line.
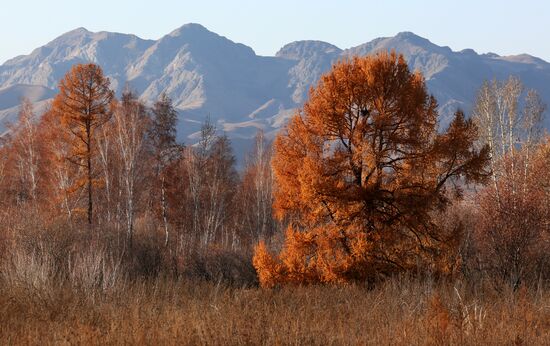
{"x":96,"y":303}
{"x":58,"y":287}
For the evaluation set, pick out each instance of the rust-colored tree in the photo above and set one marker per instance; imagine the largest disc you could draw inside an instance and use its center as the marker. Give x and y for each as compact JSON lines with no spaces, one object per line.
{"x":360,"y":171}
{"x":83,"y":105}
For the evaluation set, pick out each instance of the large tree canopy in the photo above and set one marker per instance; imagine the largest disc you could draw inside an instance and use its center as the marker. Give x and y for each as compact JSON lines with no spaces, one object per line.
{"x":360,"y":171}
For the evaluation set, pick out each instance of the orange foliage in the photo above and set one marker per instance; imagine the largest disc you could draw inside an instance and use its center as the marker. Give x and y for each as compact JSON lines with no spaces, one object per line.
{"x":83,"y":105}
{"x":361,"y":169}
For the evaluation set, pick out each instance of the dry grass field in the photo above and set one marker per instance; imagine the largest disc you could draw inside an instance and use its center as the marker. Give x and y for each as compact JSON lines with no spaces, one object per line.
{"x":94,"y":301}
{"x":364,"y":222}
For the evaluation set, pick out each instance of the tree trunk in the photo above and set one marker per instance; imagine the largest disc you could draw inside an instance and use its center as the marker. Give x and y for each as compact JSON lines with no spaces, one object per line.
{"x":164,"y":211}
{"x":89,"y":168}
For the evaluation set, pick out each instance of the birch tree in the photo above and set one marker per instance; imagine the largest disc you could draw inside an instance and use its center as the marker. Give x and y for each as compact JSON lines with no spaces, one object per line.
{"x":219,"y":190}
{"x":209,"y":188}
{"x":130,"y":125}
{"x":508,"y":121}
{"x":257,"y":192}
{"x":106,"y":155}
{"x":64,"y":191}
{"x":513,"y":234}
{"x":26,"y":150}
{"x":165,"y":151}
{"x":195,"y":162}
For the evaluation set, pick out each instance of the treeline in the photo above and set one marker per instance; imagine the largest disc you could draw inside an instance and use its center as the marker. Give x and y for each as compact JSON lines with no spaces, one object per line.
{"x":93,"y":164}
{"x":361,"y":180}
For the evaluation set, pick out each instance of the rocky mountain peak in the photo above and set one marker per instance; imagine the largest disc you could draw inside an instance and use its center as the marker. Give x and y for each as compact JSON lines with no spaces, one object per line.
{"x":207,"y":74}
{"x":304,"y":49}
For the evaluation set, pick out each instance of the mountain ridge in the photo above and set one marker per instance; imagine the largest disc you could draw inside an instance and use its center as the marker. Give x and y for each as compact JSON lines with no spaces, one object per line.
{"x":207,"y":74}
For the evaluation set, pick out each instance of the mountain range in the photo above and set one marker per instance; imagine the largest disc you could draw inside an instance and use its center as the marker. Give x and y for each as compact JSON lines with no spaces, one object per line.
{"x":208,"y":75}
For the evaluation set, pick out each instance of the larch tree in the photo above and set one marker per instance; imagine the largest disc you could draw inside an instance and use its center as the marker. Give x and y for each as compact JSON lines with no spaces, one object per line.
{"x":83,"y":104}
{"x":359,"y":172}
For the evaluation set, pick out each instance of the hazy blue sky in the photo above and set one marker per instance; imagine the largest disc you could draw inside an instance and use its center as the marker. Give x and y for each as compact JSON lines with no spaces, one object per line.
{"x":504,"y":27}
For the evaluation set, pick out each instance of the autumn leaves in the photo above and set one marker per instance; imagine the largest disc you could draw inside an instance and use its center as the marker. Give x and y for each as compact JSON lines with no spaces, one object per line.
{"x":83,"y":105}
{"x":360,"y":170}
{"x":360,"y":178}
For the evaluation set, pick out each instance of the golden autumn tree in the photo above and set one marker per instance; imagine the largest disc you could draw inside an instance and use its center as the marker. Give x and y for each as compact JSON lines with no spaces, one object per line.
{"x":83,"y":105}
{"x":360,"y":171}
